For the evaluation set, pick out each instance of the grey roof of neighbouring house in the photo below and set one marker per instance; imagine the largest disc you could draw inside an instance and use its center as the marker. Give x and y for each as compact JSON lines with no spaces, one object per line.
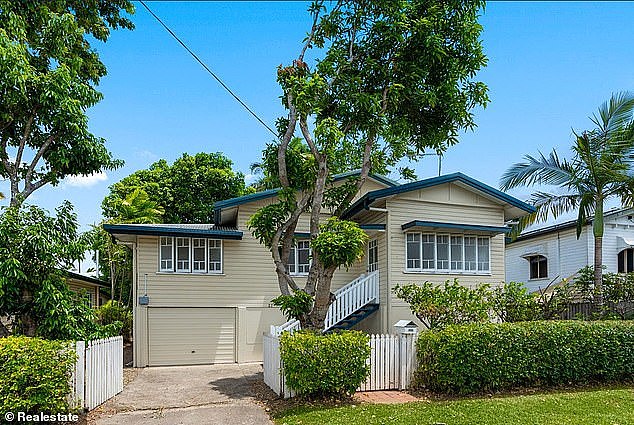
{"x":570,"y":224}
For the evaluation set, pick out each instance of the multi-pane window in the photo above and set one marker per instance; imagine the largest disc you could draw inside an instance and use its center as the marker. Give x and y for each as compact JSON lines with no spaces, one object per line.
{"x":373,"y":256}
{"x":167,"y":254}
{"x":456,"y":253}
{"x":187,"y":255}
{"x":299,"y":258}
{"x":626,"y":261}
{"x":444,"y":252}
{"x":215,"y":255}
{"x":182,"y":255}
{"x":199,"y":259}
{"x":538,"y":267}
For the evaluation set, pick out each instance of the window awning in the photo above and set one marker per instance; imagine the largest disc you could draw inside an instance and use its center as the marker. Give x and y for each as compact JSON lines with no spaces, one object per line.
{"x":534,"y":250}
{"x":457,"y":226}
{"x":624,"y":243}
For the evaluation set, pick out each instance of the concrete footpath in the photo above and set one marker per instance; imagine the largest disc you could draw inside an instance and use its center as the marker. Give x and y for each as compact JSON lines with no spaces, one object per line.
{"x":196,"y":395}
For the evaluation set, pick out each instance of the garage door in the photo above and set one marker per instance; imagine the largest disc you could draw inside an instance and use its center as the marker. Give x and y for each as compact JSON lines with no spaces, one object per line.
{"x":184,"y":336}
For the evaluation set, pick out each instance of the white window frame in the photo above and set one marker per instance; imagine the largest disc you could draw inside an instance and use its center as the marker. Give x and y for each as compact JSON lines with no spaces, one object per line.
{"x":449,"y":270}
{"x":296,"y":263}
{"x":189,"y":254}
{"x":174,"y":257}
{"x":204,"y":260}
{"x":373,"y":245}
{"x":161,"y":260}
{"x":208,"y":247}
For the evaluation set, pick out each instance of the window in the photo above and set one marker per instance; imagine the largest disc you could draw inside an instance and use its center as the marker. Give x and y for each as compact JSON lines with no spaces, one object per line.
{"x":373,"y":256}
{"x":626,"y":261}
{"x":456,"y":253}
{"x":299,"y":258}
{"x":182,"y":255}
{"x":442,"y":252}
{"x":483,"y":254}
{"x":413,"y":250}
{"x":445,"y":253}
{"x":190,"y":255}
{"x":215,"y":255}
{"x":538,"y":267}
{"x":167,"y":255}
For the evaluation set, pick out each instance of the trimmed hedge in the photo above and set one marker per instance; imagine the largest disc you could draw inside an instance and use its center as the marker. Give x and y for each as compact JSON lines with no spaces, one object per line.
{"x":331,"y":365}
{"x":490,"y":357}
{"x":35,"y":375}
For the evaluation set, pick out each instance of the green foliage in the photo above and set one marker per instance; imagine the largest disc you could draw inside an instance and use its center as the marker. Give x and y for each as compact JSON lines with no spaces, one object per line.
{"x":35,"y":248}
{"x":35,"y":375}
{"x":49,"y":76}
{"x":265,"y":222}
{"x":331,"y":365}
{"x":339,"y":243}
{"x":439,"y":306}
{"x":618,"y":292}
{"x":185,"y":190}
{"x":294,"y":306}
{"x":138,"y":208}
{"x":512,"y":302}
{"x":491,"y":357}
{"x":116,"y":314}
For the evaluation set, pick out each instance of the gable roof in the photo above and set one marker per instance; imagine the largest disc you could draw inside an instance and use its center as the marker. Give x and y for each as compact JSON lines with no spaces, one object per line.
{"x":366,"y":200}
{"x":234,"y":202}
{"x":570,"y":224}
{"x":86,"y":279}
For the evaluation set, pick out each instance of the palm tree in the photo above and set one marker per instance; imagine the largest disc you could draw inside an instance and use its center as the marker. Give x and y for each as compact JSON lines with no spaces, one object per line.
{"x":601,"y":168}
{"x":138,"y":208}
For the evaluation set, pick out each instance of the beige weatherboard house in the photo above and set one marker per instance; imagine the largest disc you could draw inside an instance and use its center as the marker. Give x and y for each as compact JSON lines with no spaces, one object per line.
{"x":203,"y":291}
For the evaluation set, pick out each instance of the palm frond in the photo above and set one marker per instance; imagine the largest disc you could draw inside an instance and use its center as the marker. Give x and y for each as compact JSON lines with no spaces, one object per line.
{"x":546,"y":205}
{"x":615,"y":113}
{"x":541,"y":170}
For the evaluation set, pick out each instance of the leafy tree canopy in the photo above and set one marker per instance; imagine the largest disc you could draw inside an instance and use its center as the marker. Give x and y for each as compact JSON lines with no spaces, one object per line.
{"x":49,"y":73}
{"x":185,"y":191}
{"x":35,"y":249}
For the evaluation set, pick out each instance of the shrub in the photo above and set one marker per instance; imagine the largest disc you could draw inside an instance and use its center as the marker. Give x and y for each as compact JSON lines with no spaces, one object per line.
{"x":115,"y":313}
{"x":331,"y":365}
{"x":35,"y":375}
{"x":512,"y":302}
{"x":474,"y":358}
{"x":294,"y":306}
{"x":450,"y":304}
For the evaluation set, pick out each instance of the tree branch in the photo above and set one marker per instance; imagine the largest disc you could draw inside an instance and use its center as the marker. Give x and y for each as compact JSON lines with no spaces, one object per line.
{"x":25,"y":135}
{"x":286,"y":139}
{"x":36,"y":159}
{"x":312,"y":32}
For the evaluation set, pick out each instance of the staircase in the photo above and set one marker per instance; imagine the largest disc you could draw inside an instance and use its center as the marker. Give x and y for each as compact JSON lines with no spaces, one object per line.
{"x":353,"y":303}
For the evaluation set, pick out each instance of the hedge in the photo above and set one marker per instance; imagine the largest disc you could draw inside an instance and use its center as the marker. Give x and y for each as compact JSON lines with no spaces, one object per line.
{"x":331,"y":365}
{"x":491,"y":357}
{"x":35,"y":375}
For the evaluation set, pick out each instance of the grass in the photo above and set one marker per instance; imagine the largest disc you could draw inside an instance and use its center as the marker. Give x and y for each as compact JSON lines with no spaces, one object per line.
{"x":591,"y":407}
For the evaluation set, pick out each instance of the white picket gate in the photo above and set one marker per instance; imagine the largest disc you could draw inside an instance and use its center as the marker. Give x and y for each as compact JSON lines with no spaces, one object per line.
{"x":392,"y":363}
{"x":98,"y":373}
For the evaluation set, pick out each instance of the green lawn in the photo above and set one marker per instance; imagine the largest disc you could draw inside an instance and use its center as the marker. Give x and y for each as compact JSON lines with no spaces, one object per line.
{"x":592,"y":407}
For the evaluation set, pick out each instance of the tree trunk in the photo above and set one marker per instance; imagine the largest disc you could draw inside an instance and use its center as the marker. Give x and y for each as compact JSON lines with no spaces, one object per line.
{"x":598,"y":273}
{"x":323,"y":298}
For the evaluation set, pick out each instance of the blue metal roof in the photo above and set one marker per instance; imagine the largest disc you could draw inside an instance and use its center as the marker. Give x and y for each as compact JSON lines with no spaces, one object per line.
{"x":182,"y":230}
{"x":471,"y":227}
{"x":370,"y":197}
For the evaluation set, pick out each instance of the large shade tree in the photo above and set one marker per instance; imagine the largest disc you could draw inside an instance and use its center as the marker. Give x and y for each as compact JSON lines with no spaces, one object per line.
{"x":49,"y":76}
{"x":185,"y":190}
{"x":393,"y":79}
{"x":600,"y":169}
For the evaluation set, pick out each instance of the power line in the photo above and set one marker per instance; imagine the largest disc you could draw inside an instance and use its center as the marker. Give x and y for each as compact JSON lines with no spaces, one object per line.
{"x":207,"y":69}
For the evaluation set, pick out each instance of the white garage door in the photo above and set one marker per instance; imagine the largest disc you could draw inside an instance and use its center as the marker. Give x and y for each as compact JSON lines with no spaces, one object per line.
{"x":184,"y":336}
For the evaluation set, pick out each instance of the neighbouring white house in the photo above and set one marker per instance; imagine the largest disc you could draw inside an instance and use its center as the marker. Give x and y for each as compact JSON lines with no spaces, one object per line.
{"x":203,"y":291}
{"x":551,"y":253}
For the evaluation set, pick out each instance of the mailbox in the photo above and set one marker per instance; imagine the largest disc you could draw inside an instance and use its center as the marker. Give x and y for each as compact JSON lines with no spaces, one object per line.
{"x":406,"y":327}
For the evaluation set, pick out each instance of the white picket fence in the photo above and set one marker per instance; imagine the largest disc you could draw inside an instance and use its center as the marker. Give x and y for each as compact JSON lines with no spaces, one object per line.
{"x":392,"y":363}
{"x":98,"y":373}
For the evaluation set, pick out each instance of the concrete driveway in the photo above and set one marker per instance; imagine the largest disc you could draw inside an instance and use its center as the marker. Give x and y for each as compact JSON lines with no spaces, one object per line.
{"x":196,"y":395}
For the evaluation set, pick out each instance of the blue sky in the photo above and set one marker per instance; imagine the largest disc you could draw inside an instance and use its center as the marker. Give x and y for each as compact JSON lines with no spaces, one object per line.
{"x":550,"y":66}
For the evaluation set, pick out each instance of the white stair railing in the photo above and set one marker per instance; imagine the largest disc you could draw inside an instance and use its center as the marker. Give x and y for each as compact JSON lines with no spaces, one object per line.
{"x":348,"y":299}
